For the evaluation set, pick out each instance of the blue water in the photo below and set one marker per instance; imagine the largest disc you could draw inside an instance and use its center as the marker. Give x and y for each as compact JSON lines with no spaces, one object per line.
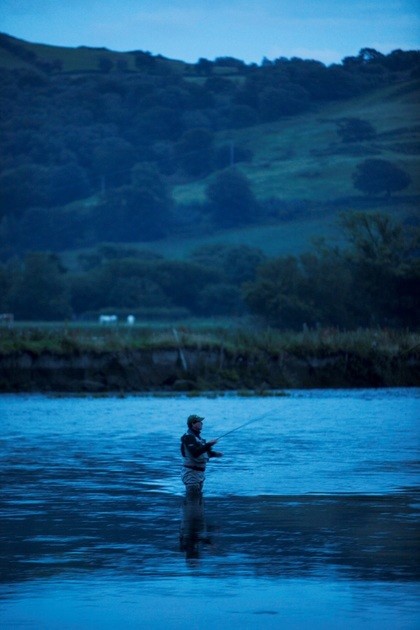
{"x":312,"y":513}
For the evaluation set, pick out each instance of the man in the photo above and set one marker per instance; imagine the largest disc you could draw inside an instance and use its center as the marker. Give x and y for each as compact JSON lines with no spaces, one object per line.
{"x":196,"y":452}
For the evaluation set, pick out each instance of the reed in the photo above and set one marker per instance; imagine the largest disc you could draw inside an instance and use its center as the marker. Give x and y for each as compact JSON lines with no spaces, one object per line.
{"x":250,"y":340}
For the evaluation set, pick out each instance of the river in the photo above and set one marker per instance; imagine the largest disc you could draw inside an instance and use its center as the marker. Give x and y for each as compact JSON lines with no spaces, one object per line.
{"x":310,"y":517}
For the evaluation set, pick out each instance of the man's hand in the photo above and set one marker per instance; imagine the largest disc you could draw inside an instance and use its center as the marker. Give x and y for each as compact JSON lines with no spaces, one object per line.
{"x":214,"y":453}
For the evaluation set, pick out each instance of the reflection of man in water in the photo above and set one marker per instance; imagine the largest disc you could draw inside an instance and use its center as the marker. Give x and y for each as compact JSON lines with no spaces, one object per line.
{"x":196,"y":452}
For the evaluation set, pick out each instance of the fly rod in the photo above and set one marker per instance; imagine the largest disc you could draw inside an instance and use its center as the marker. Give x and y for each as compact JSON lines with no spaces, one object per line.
{"x":243,"y":425}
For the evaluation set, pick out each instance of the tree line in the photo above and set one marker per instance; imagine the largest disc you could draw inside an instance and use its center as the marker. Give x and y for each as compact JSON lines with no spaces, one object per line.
{"x":374,"y":280}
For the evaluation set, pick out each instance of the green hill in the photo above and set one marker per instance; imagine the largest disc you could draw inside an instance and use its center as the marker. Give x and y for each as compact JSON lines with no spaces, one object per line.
{"x":77,"y":121}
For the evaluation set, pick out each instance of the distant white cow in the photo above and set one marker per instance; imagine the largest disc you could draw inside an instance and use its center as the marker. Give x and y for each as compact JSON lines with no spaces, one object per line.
{"x":7,"y":318}
{"x":130,"y":320}
{"x":108,"y":319}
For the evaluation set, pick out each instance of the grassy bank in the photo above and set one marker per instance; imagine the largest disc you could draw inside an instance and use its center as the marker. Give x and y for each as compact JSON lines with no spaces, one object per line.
{"x":202,"y":358}
{"x":70,"y":338}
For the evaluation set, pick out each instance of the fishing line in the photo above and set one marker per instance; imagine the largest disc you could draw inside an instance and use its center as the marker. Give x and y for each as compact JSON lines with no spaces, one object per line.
{"x":244,"y":425}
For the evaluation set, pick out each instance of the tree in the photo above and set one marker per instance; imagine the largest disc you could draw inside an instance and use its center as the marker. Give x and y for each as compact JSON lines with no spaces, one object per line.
{"x":374,"y":176}
{"x":157,"y":123}
{"x":277,"y":102}
{"x":374,"y":280}
{"x":144,"y":60}
{"x":112,"y":159}
{"x":236,"y":263}
{"x":6,"y":281}
{"x":137,"y":292}
{"x":204,"y":66}
{"x":241,"y":116}
{"x":184,"y":281}
{"x":105,"y":64}
{"x":40,"y":289}
{"x":231,"y":198}
{"x":374,"y":237}
{"x":195,"y":151}
{"x":68,"y":182}
{"x":221,"y":299}
{"x":369,"y":55}
{"x":118,"y":283}
{"x":383,"y":259}
{"x":22,"y":187}
{"x":138,"y":212}
{"x":278,"y":294}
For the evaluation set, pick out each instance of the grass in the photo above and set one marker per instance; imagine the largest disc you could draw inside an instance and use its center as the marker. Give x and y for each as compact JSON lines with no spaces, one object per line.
{"x":301,"y":157}
{"x":274,"y":240}
{"x":62,"y":338}
{"x":277,"y":238}
{"x":81,"y":59}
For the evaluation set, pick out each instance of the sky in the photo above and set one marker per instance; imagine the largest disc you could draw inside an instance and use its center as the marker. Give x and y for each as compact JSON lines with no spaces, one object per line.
{"x":325,"y":30}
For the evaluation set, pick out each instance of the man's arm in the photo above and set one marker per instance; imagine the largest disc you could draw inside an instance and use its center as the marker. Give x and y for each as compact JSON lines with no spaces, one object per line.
{"x":195,"y":448}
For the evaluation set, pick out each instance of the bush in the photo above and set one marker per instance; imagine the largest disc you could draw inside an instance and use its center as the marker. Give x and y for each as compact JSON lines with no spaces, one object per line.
{"x":231,"y":198}
{"x":374,"y":176}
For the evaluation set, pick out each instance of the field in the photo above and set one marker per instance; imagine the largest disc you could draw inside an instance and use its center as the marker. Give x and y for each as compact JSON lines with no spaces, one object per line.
{"x":280,"y":239}
{"x":301,"y":157}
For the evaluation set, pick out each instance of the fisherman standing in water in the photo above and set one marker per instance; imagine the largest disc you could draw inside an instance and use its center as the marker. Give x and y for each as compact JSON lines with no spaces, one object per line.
{"x":196,"y":452}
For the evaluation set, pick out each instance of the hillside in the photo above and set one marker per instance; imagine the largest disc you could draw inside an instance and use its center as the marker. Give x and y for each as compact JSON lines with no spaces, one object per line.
{"x":122,"y":147}
{"x":134,"y":184}
{"x":301,"y":157}
{"x":18,"y":54}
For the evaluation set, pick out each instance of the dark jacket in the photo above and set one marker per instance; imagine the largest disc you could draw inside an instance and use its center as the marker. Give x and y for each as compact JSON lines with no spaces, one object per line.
{"x":194,"y":450}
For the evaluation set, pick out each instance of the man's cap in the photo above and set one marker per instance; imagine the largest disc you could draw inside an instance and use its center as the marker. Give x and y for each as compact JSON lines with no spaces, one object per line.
{"x":194,"y":418}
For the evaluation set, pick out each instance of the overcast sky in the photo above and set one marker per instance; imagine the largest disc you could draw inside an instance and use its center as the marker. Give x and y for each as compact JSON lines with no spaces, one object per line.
{"x":326,"y":30}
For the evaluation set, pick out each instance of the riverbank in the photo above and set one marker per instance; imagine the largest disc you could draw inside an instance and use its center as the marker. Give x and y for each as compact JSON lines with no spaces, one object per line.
{"x":95,"y":360}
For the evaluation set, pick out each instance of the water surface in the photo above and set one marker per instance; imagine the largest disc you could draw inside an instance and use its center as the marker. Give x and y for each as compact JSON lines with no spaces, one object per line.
{"x":311,"y":516}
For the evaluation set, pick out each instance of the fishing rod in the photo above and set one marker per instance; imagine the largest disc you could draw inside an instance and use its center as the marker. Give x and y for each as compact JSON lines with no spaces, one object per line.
{"x":243,"y":425}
